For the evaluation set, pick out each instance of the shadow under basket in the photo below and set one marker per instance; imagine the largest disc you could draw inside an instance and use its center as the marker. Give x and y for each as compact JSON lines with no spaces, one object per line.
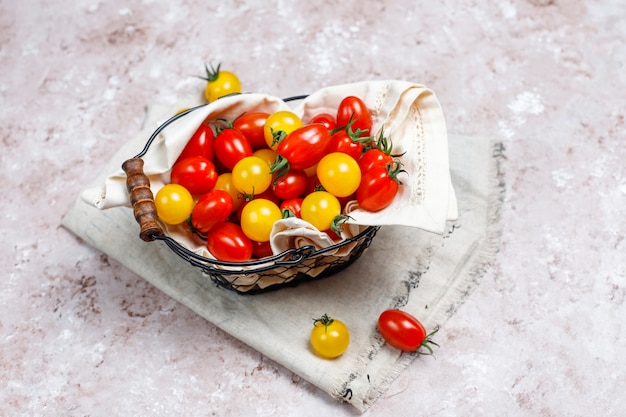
{"x":286,"y":269}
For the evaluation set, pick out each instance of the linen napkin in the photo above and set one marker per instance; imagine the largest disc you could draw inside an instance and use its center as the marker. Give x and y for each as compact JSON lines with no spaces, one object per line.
{"x":427,"y":274}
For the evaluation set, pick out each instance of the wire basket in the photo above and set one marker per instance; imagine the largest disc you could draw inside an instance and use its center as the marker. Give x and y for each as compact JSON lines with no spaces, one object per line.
{"x":288,"y":268}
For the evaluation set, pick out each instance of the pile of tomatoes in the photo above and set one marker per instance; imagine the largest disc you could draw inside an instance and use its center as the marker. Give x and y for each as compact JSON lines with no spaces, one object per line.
{"x":235,"y":178}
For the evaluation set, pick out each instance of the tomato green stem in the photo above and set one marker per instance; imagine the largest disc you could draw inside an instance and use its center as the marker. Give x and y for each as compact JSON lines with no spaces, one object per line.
{"x":427,"y":342}
{"x":211,"y":74}
{"x":325,"y":320}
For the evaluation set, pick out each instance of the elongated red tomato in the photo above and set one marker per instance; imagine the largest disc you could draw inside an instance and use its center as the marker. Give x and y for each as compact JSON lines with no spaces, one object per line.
{"x":379,"y":187}
{"x":227,"y":242}
{"x":291,"y":185}
{"x":326,"y":119}
{"x":200,"y":144}
{"x":305,"y":146}
{"x":212,"y":208}
{"x":354,"y":109}
{"x":231,"y":146}
{"x":342,"y":141}
{"x":252,"y":126}
{"x":197,"y":174}
{"x":403,"y":331}
{"x":292,"y":207}
{"x":373,"y":157}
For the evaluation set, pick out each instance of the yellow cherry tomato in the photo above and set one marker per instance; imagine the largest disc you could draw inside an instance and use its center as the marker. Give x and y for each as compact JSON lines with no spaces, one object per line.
{"x":320,"y":209}
{"x":174,"y":203}
{"x":330,"y":337}
{"x":278,"y":125}
{"x":251,"y":175}
{"x":258,"y":217}
{"x":266,"y":154}
{"x":339,"y":174}
{"x":225,"y":183}
{"x":220,"y":83}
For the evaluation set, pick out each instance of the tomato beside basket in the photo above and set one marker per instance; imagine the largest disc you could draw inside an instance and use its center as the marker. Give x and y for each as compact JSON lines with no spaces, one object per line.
{"x":288,"y":268}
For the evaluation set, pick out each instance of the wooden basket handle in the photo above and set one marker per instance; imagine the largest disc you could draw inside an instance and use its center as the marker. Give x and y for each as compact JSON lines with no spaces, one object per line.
{"x":142,"y":199}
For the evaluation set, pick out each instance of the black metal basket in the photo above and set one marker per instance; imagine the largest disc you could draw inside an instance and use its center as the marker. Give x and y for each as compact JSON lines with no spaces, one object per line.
{"x":289,"y":268}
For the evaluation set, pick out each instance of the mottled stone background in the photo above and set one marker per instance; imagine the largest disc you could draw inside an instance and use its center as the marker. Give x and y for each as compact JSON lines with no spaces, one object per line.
{"x":544,"y":333}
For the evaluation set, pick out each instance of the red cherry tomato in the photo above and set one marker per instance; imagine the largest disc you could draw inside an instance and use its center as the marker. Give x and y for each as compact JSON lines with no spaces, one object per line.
{"x":378,"y":187}
{"x":231,"y":146}
{"x":262,"y":249}
{"x":403,"y":331}
{"x":212,"y":208}
{"x":197,"y":174}
{"x":291,"y":185}
{"x":372,"y":158}
{"x":354,"y":109}
{"x":252,"y":127}
{"x":293,"y":206}
{"x":200,"y":144}
{"x":326,"y":119}
{"x":341,"y":141}
{"x":303,"y":147}
{"x":227,"y":242}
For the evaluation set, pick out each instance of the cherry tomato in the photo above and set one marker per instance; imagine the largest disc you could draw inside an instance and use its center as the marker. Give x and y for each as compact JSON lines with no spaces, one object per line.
{"x":341,"y":141}
{"x":291,"y":185}
{"x":378,"y":187}
{"x":220,"y":83}
{"x":354,"y":109}
{"x":262,"y":249}
{"x":292,"y":207}
{"x":278,"y":125}
{"x":173,"y":203}
{"x":327,"y":119}
{"x":252,"y":126}
{"x":381,"y":154}
{"x":212,"y":208}
{"x":197,"y":174}
{"x":227,"y":242}
{"x":200,"y":144}
{"x":258,"y":217}
{"x":403,"y":331}
{"x":225,"y":183}
{"x":320,"y":209}
{"x":251,"y":175}
{"x":231,"y":146}
{"x":266,"y":154}
{"x":330,"y":337}
{"x":339,"y":174}
{"x":302,"y":148}
{"x":373,"y":157}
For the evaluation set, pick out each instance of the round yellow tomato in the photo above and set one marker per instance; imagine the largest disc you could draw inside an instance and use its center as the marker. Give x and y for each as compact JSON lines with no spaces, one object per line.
{"x":320,"y":209}
{"x":330,"y":337}
{"x":220,"y":83}
{"x":251,"y":175}
{"x":225,"y":183}
{"x":278,"y":125}
{"x":174,"y":203}
{"x":339,"y":174}
{"x":258,"y":217}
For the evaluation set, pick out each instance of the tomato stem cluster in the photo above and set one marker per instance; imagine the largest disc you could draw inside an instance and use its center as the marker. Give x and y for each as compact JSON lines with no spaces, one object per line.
{"x":326,"y":321}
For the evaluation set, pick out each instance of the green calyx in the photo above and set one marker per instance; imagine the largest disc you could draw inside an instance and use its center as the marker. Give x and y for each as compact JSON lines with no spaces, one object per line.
{"x":211,"y":73}
{"x":427,"y":344}
{"x":280,"y":167}
{"x":325,"y":320}
{"x":384,"y":144}
{"x":394,"y":169}
{"x":337,"y":224}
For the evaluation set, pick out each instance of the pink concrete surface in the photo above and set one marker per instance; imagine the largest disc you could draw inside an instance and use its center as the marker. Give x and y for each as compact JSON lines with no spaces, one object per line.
{"x":543,"y":334}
